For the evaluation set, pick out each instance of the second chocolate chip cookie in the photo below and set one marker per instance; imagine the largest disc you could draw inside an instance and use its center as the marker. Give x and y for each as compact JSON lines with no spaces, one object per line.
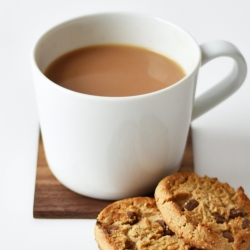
{"x":204,"y":212}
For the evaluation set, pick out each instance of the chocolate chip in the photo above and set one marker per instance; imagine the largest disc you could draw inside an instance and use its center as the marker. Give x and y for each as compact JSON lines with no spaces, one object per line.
{"x":107,"y":229}
{"x":166,"y":231}
{"x":228,"y":236}
{"x":191,"y":204}
{"x":245,"y":223}
{"x":219,"y":219}
{"x":236,"y":212}
{"x":130,"y":245}
{"x":132,"y":216}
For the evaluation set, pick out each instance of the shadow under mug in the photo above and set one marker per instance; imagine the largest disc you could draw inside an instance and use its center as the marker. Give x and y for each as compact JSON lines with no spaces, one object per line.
{"x":118,"y":147}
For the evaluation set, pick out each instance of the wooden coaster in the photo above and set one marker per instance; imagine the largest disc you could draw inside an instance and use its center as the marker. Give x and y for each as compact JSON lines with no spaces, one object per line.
{"x":53,"y":200}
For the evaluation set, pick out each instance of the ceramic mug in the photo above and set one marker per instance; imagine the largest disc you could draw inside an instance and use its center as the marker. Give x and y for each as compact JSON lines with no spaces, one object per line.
{"x":117,"y":147}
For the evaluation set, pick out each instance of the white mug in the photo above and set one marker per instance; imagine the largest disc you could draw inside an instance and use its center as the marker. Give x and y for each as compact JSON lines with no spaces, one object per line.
{"x":117,"y":147}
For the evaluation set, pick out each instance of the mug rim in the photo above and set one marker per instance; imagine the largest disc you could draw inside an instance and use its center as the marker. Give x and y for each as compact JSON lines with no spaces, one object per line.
{"x":124,"y":13}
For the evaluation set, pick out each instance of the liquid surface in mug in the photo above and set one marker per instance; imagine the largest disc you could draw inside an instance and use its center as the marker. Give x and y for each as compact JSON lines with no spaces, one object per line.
{"x":114,"y":70}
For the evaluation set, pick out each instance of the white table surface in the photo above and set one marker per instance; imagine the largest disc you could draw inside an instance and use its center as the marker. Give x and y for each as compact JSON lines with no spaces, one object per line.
{"x":221,"y":138}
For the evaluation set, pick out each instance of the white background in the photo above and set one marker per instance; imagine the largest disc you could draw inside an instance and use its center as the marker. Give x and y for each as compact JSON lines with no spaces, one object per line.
{"x":221,"y":137}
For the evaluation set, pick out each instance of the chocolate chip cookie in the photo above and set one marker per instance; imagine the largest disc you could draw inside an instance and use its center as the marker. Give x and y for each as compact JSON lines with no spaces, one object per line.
{"x":135,"y":223}
{"x":205,"y":212}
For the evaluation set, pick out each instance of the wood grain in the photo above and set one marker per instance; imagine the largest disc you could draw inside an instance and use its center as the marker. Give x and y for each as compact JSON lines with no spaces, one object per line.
{"x":53,"y":200}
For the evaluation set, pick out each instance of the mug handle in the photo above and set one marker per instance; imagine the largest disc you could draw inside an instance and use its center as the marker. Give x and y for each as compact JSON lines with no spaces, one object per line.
{"x":229,"y":84}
